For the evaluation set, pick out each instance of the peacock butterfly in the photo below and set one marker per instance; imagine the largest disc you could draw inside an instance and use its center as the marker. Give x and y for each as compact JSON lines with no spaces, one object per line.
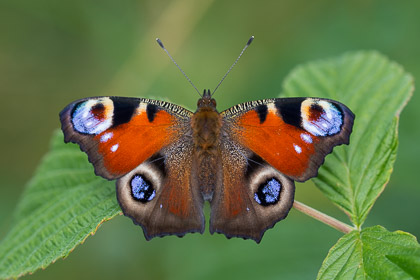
{"x":168,"y":161}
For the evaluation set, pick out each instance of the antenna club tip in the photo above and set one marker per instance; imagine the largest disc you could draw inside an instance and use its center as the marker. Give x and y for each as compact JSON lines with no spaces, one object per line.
{"x":160,"y":43}
{"x":250,"y":40}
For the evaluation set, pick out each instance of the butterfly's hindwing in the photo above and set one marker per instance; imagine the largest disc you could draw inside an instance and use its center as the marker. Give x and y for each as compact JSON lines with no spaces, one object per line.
{"x":253,"y":196}
{"x":158,"y":194}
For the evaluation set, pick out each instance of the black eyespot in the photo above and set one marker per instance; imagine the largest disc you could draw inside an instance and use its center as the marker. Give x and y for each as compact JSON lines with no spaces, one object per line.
{"x":151,"y":111}
{"x":262,"y":112}
{"x":289,"y":110}
{"x":268,"y":193}
{"x":124,"y":109}
{"x":141,"y":189}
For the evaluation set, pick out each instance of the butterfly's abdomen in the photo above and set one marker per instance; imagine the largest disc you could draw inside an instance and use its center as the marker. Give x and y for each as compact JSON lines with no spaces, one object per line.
{"x":206,"y":124}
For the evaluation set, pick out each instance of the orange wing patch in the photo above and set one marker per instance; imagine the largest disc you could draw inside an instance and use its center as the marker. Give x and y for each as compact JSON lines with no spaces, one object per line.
{"x":286,"y":147}
{"x":126,"y":146}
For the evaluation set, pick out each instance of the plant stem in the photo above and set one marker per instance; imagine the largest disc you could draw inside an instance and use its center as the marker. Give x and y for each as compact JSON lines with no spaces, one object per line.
{"x":332,"y":222}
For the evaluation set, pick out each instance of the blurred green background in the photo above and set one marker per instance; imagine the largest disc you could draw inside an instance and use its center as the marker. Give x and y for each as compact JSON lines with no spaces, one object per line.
{"x":53,"y":52}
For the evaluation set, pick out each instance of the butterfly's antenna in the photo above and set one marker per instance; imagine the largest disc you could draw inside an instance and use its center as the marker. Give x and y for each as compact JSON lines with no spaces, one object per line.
{"x":163,"y":47}
{"x":243,"y":50}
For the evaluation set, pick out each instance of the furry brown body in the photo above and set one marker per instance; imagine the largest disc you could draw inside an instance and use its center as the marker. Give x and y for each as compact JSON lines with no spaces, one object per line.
{"x":206,"y":124}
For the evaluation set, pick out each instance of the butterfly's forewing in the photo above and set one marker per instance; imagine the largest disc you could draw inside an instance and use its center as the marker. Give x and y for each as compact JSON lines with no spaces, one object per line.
{"x":268,"y":144}
{"x":119,"y":133}
{"x":147,"y":144}
{"x":292,"y":134}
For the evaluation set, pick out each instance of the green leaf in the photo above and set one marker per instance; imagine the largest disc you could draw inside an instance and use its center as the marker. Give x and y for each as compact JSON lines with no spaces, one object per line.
{"x":376,"y":90}
{"x":62,"y":205}
{"x":373,"y":253}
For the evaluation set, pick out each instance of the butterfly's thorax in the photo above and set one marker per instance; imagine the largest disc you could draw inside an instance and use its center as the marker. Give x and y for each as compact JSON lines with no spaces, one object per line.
{"x":206,"y":124}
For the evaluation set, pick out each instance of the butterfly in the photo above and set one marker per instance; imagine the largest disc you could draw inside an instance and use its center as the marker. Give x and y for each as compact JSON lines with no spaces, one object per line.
{"x":168,"y":160}
{"x":244,"y":160}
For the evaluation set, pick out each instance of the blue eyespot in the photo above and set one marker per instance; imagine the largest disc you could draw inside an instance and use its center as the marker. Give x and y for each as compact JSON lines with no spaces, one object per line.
{"x":268,"y":193}
{"x":321,"y":118}
{"x":92,"y":116}
{"x":141,"y":189}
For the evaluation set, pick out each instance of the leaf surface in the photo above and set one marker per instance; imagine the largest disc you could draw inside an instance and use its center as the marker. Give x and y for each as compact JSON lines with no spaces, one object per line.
{"x":373,"y":253}
{"x":62,"y":205}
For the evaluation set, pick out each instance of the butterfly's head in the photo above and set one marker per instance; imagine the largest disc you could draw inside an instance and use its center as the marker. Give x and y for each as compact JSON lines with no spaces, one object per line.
{"x":206,"y":100}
